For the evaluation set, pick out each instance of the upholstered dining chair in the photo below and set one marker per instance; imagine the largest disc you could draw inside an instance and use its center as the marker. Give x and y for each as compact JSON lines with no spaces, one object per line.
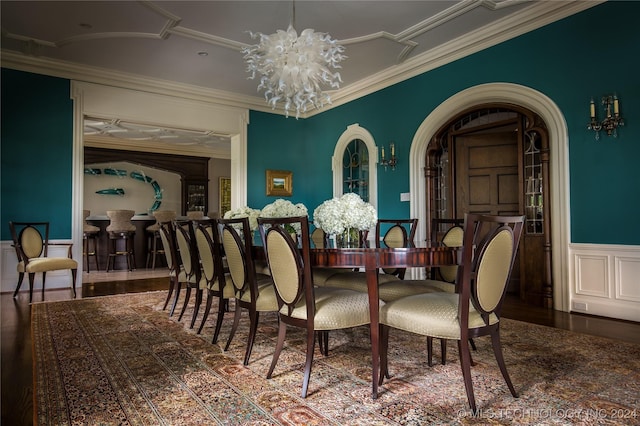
{"x":448,"y":232}
{"x":393,"y":233}
{"x":253,"y":291}
{"x":396,"y":289}
{"x":490,"y":245}
{"x":399,"y":233}
{"x":218,"y":281}
{"x":32,"y":250}
{"x":167,"y":236}
{"x":300,"y":303}
{"x":190,"y":265}
{"x":320,"y":239}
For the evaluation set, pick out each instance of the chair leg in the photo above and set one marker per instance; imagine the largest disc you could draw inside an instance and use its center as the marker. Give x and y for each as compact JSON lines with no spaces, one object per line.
{"x":85,"y":251}
{"x":311,"y":344}
{"x":323,"y":342}
{"x":430,"y":351}
{"x":497,"y":350}
{"x":254,"y":316}
{"x":384,"y":347}
{"x":20,"y":278}
{"x":223,"y":307}
{"x":73,"y":281}
{"x":44,"y":278}
{"x":196,"y":308}
{"x":172,"y":284}
{"x":465,"y":364}
{"x":187,"y":296}
{"x":175,"y":299}
{"x":282,"y":332}
{"x":443,"y":351}
{"x":472,"y":344}
{"x":32,"y":277}
{"x":234,"y":327}
{"x":207,"y":309}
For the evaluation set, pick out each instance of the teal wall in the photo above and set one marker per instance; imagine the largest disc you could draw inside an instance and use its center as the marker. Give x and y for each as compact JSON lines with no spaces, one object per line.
{"x":569,"y":61}
{"x":37,"y":143}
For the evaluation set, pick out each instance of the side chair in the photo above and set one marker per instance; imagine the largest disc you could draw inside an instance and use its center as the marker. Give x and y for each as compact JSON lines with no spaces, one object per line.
{"x":32,"y":250}
{"x":489,"y":250}
{"x":320,"y":239}
{"x":254,"y":291}
{"x":300,"y":303}
{"x":166,"y":233}
{"x":399,"y":233}
{"x":218,"y":281}
{"x":190,"y":264}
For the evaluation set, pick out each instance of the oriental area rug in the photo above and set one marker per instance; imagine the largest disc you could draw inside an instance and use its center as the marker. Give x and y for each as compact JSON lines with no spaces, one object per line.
{"x":121,"y":360}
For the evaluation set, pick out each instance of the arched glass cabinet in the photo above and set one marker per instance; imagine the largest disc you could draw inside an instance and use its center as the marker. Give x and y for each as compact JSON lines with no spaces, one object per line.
{"x":354,"y":165}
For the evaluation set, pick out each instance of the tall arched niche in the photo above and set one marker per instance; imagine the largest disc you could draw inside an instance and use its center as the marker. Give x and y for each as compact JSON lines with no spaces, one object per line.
{"x":559,"y":165}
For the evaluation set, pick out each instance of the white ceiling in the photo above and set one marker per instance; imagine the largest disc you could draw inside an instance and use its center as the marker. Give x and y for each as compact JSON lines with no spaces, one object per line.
{"x":198,"y":43}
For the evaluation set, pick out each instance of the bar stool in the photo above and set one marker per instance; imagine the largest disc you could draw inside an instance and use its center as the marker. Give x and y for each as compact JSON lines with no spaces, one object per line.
{"x":154,"y":243}
{"x":120,"y":228}
{"x":195,"y":215}
{"x":90,"y":237}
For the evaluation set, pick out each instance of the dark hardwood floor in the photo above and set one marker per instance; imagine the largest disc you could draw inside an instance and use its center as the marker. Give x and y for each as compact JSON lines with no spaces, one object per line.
{"x":16,"y":362}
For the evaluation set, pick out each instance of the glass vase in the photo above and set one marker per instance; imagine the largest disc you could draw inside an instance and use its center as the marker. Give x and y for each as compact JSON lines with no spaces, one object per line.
{"x":349,"y":238}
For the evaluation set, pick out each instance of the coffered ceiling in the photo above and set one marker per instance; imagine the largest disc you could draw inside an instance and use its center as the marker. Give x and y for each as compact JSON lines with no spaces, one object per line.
{"x":196,"y":45}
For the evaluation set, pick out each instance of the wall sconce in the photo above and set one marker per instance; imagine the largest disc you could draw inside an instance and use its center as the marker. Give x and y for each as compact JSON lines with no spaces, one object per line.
{"x":611,"y":121}
{"x":389,"y":162}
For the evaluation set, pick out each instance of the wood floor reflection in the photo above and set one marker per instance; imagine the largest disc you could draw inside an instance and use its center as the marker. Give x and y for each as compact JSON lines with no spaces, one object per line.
{"x":16,"y":342}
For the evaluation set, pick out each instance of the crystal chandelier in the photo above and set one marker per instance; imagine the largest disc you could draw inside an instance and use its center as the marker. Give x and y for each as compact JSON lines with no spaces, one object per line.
{"x":293,"y":68}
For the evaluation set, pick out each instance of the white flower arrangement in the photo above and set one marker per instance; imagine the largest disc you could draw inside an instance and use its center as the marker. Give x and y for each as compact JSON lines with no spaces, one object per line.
{"x":349,"y":211}
{"x":284,"y":208}
{"x":245,"y":211}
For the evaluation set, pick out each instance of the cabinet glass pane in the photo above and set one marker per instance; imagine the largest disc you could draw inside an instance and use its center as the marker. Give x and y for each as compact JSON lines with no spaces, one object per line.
{"x":356,"y":169}
{"x":533,"y":184}
{"x":196,"y":197}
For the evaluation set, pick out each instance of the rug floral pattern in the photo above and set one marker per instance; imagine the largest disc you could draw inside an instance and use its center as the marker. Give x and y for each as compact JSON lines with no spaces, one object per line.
{"x":122,"y":360}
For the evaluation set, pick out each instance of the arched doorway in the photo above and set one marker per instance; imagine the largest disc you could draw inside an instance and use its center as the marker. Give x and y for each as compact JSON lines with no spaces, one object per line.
{"x":538,"y":103}
{"x":494,"y":159}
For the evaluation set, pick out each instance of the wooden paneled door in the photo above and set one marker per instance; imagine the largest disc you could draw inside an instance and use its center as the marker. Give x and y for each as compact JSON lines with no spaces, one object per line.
{"x":487,"y":179}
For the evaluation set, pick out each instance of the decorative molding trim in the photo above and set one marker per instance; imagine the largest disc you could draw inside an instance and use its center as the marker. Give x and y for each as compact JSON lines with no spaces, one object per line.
{"x":604,"y":280}
{"x":531,"y":18}
{"x":156,"y":146}
{"x":534,"y":17}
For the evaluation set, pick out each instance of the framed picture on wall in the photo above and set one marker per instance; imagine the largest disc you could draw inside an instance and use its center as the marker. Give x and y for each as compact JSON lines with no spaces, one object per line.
{"x":224,"y":195}
{"x":279,"y":183}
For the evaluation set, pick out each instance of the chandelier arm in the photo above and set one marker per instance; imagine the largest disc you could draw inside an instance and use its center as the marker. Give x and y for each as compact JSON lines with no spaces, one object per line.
{"x":292,"y":21}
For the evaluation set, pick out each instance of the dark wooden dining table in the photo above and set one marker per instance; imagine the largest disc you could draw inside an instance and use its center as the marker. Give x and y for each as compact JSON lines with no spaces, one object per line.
{"x":371,"y":260}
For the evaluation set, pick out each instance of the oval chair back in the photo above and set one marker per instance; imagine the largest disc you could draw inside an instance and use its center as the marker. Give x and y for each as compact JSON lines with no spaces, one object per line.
{"x":218,"y":285}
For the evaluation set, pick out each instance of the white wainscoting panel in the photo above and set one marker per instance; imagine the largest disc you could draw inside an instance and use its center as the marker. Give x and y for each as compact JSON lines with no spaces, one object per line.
{"x":628,"y":279}
{"x":55,"y":279}
{"x":605,"y":280}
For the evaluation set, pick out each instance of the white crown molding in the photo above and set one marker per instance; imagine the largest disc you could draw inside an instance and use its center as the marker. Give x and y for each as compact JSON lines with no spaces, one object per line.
{"x":157,"y":147}
{"x":540,"y":13}
{"x":534,"y":17}
{"x":74,"y":71}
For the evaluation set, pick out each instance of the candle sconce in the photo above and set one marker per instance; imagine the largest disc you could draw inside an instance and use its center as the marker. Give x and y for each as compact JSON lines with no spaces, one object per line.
{"x":611,"y":120}
{"x":389,"y":162}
